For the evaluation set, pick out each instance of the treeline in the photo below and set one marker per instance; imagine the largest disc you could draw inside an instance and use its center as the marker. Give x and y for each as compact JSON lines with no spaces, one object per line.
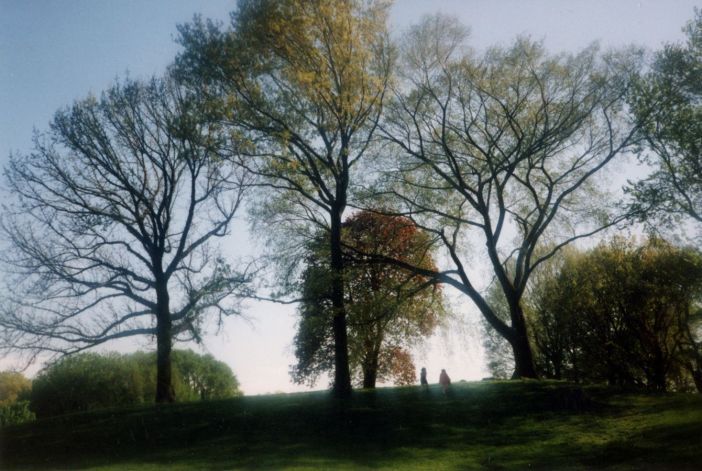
{"x":623,"y":313}
{"x":88,"y":381}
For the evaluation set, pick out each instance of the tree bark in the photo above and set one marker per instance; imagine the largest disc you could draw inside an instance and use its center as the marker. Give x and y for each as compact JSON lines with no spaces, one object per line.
{"x":369,"y":377}
{"x":523,"y":356}
{"x":370,"y":370}
{"x":342,"y":375}
{"x":657,"y":381}
{"x":697,"y":378}
{"x":164,"y":383}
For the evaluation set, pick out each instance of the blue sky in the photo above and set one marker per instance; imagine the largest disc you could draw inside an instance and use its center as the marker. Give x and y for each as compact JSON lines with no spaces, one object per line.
{"x":54,"y":52}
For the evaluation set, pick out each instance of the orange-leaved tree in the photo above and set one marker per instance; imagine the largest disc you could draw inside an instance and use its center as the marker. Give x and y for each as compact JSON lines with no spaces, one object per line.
{"x":389,"y":309}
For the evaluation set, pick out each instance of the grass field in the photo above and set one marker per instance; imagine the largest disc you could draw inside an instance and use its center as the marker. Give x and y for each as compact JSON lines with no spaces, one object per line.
{"x":490,"y":425}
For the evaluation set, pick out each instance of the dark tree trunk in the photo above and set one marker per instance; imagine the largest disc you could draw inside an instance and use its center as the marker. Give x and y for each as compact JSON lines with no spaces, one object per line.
{"x":557,"y":358}
{"x":369,"y":377}
{"x":164,"y":383}
{"x":370,"y":370}
{"x":694,"y":365}
{"x":342,"y":376}
{"x":523,"y":357}
{"x":695,"y":369}
{"x":697,"y":378}
{"x":516,"y":335}
{"x":657,"y":381}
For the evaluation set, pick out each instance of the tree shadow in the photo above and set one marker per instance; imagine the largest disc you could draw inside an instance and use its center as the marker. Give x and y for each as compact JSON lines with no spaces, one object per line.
{"x":509,"y":425}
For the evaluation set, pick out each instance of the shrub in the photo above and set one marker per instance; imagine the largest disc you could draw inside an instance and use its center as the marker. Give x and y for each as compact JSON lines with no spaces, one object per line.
{"x":15,"y":413}
{"x":90,"y":381}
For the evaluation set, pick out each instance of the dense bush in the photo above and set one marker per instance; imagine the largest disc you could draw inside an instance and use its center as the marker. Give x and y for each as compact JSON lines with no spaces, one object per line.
{"x":92,"y":381}
{"x":15,"y":413}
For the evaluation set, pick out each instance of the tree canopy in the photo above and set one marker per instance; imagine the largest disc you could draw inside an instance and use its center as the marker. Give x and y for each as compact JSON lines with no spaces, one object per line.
{"x":13,"y":386}
{"x":666,"y":103}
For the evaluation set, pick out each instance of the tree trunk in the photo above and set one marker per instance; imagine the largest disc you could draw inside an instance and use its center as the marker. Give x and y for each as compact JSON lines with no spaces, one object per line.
{"x":369,"y":377}
{"x":657,"y":381}
{"x":697,"y":378}
{"x":695,"y":368}
{"x":370,"y":370}
{"x":523,"y":357}
{"x":342,"y":376}
{"x":164,"y":383}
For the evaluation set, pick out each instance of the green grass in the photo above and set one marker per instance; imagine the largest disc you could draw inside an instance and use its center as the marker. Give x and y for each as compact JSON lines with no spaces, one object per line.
{"x":500,"y":425}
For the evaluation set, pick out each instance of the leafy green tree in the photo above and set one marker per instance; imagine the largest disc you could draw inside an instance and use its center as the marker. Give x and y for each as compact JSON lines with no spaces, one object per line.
{"x":302,"y":85}
{"x":621,"y":313}
{"x":667,"y":103}
{"x":112,"y":223}
{"x":390,"y":310}
{"x":501,"y":151}
{"x":204,"y":377}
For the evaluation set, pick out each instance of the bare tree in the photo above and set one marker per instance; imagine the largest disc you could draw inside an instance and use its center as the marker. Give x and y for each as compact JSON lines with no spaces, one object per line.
{"x":503,"y":149}
{"x":111,"y":223}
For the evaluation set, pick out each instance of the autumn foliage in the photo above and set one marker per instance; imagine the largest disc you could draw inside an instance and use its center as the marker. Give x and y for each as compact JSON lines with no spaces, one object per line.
{"x":389,"y":308}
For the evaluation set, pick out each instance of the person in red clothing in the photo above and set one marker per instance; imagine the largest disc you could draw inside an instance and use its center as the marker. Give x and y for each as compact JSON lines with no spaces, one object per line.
{"x":444,"y":380}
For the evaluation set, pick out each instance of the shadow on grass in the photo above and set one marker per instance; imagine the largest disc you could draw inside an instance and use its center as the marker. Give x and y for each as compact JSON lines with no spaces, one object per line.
{"x":488,"y":425}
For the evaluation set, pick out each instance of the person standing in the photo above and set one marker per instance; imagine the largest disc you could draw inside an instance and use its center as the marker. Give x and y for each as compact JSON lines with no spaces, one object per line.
{"x":444,"y":380}
{"x":423,"y":379}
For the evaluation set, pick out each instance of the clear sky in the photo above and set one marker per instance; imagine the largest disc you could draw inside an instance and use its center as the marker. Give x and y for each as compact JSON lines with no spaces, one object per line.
{"x":53,"y":52}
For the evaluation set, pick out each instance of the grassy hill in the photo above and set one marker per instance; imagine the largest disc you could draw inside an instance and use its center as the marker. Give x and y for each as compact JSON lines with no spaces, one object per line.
{"x":492,"y":425}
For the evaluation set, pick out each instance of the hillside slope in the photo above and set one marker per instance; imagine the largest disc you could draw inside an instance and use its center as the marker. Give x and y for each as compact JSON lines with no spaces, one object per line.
{"x":500,"y":425}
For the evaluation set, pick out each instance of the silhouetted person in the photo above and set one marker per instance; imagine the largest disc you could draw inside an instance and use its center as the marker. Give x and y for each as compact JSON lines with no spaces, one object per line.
{"x":444,"y":380}
{"x":423,"y":378}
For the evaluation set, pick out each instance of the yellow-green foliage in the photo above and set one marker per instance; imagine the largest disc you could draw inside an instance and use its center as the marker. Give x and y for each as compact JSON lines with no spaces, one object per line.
{"x":328,"y":52}
{"x":623,"y":312}
{"x":305,"y":80}
{"x":13,"y":385}
{"x":14,"y":389}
